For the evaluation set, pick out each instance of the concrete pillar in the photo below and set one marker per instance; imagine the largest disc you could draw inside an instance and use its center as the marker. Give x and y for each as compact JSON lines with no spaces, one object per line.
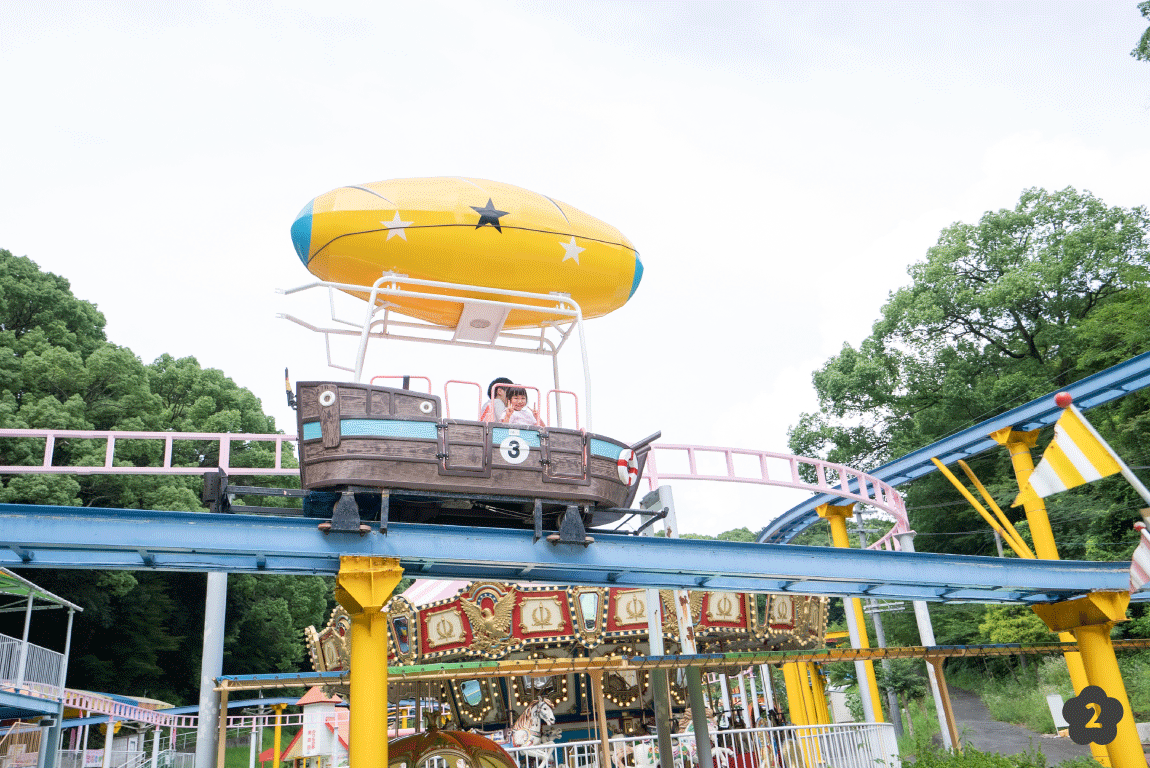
{"x":108,"y":742}
{"x":698,"y":715}
{"x":660,"y":685}
{"x":211,"y":668}
{"x":942,"y":708}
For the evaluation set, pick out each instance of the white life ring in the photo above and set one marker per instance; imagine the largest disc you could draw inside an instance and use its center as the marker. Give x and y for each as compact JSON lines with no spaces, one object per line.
{"x":628,"y":467}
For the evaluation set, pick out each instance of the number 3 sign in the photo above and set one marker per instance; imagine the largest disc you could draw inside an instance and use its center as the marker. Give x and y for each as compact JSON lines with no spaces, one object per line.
{"x":514,"y":448}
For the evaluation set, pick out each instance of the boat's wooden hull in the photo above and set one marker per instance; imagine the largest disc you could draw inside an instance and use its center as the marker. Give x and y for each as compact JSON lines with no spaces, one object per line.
{"x":358,"y":435}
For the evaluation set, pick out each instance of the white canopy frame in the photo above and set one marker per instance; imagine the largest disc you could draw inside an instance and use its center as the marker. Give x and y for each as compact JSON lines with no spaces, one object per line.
{"x":481,"y":321}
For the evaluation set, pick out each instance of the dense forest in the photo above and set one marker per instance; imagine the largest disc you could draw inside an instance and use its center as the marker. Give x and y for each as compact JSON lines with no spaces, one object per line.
{"x":140,"y":633}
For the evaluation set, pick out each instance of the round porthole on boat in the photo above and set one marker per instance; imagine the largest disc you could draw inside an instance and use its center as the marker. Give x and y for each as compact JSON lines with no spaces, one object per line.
{"x":327,"y":398}
{"x":427,"y":406}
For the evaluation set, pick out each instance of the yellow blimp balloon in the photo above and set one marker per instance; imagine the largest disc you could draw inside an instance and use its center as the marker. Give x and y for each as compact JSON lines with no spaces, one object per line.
{"x":469,"y":231}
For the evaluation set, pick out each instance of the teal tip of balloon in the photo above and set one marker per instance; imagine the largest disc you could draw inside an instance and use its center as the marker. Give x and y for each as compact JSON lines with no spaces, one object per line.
{"x":301,"y":233}
{"x":638,"y":276}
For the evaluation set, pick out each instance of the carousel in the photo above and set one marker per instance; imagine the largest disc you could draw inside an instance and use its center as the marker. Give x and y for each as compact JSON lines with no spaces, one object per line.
{"x":488,"y":621}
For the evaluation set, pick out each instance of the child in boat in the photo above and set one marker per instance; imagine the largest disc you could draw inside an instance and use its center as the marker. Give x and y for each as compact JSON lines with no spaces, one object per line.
{"x":517,"y":411}
{"x":493,"y":409}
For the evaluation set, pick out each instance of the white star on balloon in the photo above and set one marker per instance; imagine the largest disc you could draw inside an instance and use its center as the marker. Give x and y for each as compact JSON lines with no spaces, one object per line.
{"x":396,"y":227}
{"x":571,"y":251}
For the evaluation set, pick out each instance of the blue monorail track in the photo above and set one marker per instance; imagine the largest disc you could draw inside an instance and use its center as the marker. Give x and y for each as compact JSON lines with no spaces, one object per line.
{"x":33,"y":536}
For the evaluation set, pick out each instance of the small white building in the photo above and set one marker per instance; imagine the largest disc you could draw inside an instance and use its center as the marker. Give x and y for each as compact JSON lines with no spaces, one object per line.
{"x":322,"y":740}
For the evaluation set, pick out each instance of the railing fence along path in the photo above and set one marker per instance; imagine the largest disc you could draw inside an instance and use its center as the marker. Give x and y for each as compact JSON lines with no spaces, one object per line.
{"x":849,"y":745}
{"x":40,"y":675}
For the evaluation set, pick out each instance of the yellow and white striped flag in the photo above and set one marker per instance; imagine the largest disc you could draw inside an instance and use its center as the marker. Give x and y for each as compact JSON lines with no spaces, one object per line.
{"x":1075,"y":456}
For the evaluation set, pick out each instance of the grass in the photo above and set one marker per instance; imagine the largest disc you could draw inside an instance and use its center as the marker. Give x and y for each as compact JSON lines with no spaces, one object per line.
{"x":1020,"y":697}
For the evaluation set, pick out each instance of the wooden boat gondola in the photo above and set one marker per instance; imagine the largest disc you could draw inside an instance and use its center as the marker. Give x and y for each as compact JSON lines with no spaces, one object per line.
{"x":393,"y":451}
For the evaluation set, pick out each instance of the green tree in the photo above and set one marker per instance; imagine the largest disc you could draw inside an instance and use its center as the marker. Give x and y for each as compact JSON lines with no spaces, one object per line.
{"x":139,"y":632}
{"x":1142,"y":50}
{"x":1025,"y":301}
{"x":266,"y":616}
{"x":1013,"y":624}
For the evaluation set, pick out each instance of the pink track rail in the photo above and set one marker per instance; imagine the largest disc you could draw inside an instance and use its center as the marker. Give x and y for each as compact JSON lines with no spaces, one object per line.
{"x":755,"y":467}
{"x":735,"y":465}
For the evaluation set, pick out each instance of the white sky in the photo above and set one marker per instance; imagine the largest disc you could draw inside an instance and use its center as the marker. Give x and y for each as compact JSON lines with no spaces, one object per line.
{"x":778,"y":166}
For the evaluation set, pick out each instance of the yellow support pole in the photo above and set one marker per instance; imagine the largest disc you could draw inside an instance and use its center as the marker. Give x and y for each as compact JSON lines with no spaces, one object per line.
{"x":822,"y":712}
{"x":803,"y":671}
{"x":277,"y":754}
{"x":795,"y":704}
{"x":1008,"y":532}
{"x":222,"y":744}
{"x":600,"y":705}
{"x":1019,"y":444}
{"x":837,"y":517}
{"x":1090,"y":618}
{"x":1007,"y":526}
{"x":362,"y":587}
{"x":808,"y":737}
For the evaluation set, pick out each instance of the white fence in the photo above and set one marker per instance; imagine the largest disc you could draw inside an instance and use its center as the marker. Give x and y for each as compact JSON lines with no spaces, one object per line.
{"x":39,"y":672}
{"x":853,"y":745}
{"x":94,"y":758}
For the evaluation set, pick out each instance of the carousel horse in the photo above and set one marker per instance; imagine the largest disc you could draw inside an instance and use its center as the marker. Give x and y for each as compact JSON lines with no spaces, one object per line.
{"x":533,"y":728}
{"x":689,"y":751}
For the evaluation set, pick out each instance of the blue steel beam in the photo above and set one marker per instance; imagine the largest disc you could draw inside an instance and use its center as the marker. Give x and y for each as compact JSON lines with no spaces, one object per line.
{"x":76,"y":537}
{"x":1102,"y":387}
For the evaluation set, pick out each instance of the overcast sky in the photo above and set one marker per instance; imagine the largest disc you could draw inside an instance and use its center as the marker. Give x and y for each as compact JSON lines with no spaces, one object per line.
{"x":777,"y":165}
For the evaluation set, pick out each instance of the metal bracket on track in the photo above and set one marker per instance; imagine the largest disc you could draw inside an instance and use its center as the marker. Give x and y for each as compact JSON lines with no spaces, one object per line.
{"x":345,"y":515}
{"x":571,"y":530}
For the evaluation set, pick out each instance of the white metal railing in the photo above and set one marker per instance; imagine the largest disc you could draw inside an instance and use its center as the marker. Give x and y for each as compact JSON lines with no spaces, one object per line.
{"x":94,"y":758}
{"x":850,"y":745}
{"x":40,"y":675}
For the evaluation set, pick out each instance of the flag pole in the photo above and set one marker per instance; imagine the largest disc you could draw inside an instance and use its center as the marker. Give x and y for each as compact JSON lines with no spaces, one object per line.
{"x":1063,"y":399}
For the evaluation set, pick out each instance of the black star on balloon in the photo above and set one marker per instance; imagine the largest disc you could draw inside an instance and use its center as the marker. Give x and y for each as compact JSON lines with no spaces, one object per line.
{"x":489,"y":214}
